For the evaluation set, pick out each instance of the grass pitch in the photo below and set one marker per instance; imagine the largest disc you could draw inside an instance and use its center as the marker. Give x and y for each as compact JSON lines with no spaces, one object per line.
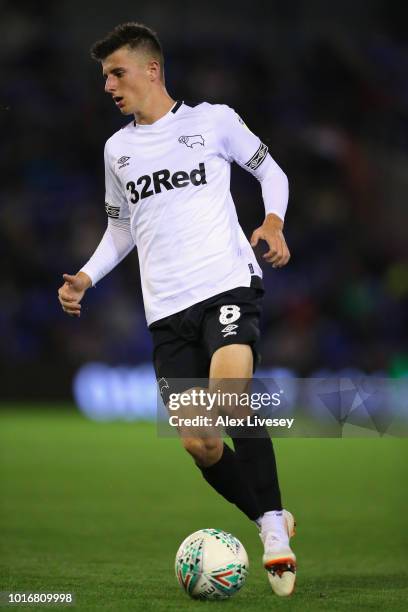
{"x":100,"y":509}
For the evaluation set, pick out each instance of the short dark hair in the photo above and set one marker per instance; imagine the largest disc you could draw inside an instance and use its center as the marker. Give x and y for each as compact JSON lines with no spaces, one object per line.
{"x":133,"y":35}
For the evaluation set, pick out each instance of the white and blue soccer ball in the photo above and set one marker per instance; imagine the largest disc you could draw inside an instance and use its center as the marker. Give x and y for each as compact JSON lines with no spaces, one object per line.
{"x":211,"y":564}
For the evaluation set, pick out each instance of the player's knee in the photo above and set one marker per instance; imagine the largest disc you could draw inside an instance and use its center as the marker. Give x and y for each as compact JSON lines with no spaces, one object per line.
{"x":205,"y":451}
{"x":192,"y":446}
{"x":213,"y":449}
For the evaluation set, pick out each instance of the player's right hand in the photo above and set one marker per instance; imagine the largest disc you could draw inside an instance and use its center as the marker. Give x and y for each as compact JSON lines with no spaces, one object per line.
{"x":72,"y":291}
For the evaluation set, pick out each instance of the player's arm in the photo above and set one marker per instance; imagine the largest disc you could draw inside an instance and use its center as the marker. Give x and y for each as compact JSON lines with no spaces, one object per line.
{"x":239,"y":144}
{"x":275,"y":194}
{"x":72,"y":291}
{"x":116,"y":243}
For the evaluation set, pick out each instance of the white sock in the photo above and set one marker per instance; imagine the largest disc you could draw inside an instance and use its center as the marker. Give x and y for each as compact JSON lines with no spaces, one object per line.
{"x":258,"y":522}
{"x":275,"y":521}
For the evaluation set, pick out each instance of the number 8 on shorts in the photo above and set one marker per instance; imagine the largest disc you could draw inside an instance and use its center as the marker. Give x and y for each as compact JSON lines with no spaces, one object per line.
{"x":229,"y":314}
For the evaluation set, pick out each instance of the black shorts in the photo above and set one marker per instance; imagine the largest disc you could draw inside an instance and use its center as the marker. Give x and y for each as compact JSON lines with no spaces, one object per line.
{"x":185,"y":341}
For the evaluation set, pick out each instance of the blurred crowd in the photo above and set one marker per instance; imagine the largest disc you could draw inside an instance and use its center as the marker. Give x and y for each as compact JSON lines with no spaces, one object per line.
{"x":332,"y":105}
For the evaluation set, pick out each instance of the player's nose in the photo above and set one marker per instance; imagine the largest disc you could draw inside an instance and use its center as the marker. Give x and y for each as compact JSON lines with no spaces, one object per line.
{"x":109,"y":85}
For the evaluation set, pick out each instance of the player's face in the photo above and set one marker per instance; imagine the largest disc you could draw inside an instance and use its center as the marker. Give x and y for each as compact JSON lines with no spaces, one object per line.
{"x":128,"y":79}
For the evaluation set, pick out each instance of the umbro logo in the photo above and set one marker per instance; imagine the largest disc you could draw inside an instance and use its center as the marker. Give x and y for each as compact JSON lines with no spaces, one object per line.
{"x":122,"y":161}
{"x":229,"y":330}
{"x":190,"y":141}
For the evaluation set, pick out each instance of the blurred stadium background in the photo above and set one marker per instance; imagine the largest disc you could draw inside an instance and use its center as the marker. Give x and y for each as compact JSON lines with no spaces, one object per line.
{"x":323,"y":84}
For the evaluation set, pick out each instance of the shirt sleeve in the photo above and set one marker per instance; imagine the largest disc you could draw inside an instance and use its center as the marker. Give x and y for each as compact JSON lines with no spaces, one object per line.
{"x":116,"y":204}
{"x":116,"y":243}
{"x":237,"y":143}
{"x":117,"y":240}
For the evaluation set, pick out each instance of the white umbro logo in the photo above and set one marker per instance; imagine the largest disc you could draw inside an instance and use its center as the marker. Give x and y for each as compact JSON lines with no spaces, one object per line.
{"x":122,"y":161}
{"x":229,"y":330}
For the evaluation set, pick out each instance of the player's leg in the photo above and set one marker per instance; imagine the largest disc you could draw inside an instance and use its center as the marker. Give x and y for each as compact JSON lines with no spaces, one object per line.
{"x":221,"y":469}
{"x":217,"y":461}
{"x":254,"y":450}
{"x":205,"y":451}
{"x":177,"y":361}
{"x":253,"y":445}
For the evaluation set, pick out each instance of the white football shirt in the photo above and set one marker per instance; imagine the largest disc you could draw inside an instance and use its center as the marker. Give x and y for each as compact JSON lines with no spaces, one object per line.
{"x":171,"y":181}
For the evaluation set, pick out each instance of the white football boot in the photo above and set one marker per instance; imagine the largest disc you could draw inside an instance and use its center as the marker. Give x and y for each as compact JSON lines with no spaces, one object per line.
{"x":279,"y":560}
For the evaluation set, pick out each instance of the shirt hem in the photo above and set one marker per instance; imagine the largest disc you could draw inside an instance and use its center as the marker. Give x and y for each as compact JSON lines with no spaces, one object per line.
{"x":201,"y":298}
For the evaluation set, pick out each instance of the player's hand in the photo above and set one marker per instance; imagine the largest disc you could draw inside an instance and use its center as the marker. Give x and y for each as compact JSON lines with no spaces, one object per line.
{"x":72,"y":291}
{"x":271,"y":231}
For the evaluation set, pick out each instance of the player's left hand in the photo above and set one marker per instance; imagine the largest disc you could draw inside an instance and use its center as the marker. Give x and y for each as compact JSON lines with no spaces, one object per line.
{"x":271,"y":231}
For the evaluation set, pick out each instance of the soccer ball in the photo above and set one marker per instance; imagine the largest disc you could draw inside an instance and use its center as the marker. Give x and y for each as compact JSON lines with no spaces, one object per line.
{"x":211,"y":564}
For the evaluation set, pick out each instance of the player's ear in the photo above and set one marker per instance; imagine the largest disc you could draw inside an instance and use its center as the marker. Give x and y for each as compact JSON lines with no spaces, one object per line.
{"x":153,"y":69}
